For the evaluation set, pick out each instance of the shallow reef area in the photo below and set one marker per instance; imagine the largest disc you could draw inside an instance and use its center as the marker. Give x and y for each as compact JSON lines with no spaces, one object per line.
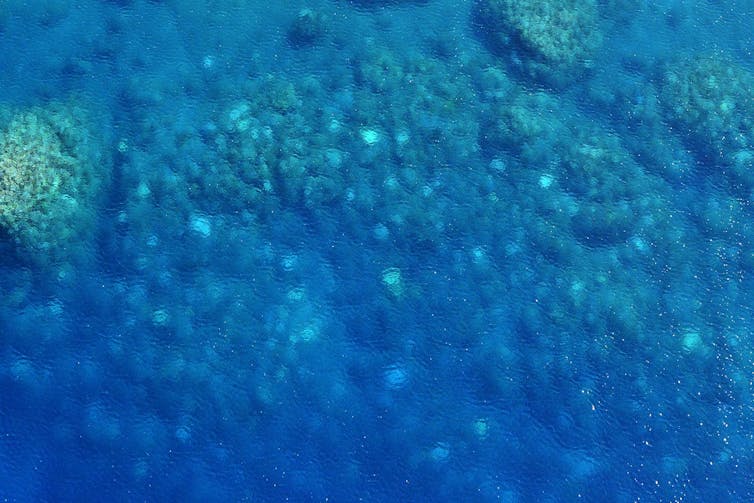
{"x":52,"y":172}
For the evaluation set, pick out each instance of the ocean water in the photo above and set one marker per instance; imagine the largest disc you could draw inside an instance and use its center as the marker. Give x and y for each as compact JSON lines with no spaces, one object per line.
{"x":363,"y":250}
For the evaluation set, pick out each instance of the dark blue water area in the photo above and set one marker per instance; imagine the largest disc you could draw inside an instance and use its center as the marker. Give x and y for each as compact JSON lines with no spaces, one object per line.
{"x":351,"y":250}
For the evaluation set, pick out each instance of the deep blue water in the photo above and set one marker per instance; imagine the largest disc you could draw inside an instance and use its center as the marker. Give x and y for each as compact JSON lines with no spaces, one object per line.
{"x":442,"y":250}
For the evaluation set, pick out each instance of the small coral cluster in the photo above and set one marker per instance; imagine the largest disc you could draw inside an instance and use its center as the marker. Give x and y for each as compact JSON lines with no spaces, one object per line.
{"x":559,"y":34}
{"x":47,"y":182}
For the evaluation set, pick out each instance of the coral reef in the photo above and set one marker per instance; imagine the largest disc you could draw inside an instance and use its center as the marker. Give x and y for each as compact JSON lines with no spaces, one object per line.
{"x":308,"y":28}
{"x":711,"y":100}
{"x":50,"y":174}
{"x":558,"y":35}
{"x":586,"y":181}
{"x":392,"y":165}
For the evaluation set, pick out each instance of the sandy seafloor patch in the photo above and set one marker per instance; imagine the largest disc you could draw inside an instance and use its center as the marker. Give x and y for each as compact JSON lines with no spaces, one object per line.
{"x":376,"y":251}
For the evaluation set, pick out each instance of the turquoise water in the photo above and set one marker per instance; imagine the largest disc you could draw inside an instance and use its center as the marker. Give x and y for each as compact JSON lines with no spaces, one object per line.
{"x":376,"y":251}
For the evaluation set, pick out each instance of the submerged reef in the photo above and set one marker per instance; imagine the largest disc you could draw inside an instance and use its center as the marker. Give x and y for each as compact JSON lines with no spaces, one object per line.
{"x":586,"y":181}
{"x":711,"y":100}
{"x":559,"y":36}
{"x":50,"y":175}
{"x":308,"y":28}
{"x":393,"y":166}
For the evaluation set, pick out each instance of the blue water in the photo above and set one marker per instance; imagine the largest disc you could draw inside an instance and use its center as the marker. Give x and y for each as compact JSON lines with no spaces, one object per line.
{"x":377,"y":251}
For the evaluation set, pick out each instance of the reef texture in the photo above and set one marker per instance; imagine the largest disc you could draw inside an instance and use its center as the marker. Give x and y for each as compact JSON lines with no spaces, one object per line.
{"x":559,"y":36}
{"x":49,"y":179}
